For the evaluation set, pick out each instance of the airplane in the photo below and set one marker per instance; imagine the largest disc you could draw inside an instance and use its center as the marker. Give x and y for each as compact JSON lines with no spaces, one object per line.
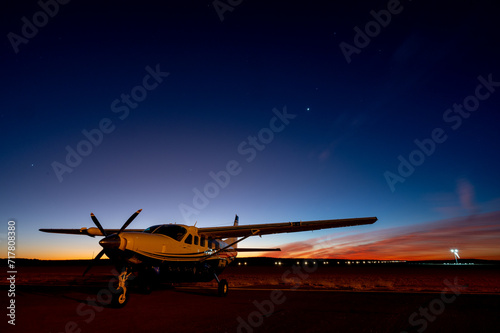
{"x":171,"y":253}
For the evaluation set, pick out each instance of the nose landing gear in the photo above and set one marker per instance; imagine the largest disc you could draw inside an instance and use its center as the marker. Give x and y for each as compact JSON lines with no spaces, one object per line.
{"x":120,"y":295}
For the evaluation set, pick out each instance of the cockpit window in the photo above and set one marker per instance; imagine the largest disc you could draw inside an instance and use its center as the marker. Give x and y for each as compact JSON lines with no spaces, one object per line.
{"x":173,"y":231}
{"x":151,"y":229}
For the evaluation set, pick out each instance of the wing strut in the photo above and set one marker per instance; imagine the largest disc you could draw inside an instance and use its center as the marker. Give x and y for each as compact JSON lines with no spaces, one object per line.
{"x":228,"y":246}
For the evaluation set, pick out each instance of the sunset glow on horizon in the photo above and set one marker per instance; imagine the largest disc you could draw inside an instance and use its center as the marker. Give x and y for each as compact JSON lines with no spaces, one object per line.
{"x":476,"y":237}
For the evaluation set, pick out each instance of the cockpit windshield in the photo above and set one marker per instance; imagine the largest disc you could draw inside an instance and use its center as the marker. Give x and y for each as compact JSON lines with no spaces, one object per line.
{"x":173,"y":231}
{"x":151,"y":229}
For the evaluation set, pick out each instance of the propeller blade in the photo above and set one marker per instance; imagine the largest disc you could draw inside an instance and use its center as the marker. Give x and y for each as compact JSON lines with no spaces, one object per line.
{"x":96,"y":222}
{"x":97,"y":257}
{"x":129,"y":221}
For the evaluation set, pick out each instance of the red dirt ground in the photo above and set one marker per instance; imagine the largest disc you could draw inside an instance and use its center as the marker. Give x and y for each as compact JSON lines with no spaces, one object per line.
{"x":266,"y":299}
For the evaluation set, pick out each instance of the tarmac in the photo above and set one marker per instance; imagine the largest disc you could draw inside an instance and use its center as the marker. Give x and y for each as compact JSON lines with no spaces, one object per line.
{"x":192,"y":309}
{"x":262,"y":299}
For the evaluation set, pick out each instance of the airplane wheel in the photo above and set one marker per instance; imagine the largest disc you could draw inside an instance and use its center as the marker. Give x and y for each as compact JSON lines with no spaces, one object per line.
{"x":223,"y":288}
{"x":120,"y":298}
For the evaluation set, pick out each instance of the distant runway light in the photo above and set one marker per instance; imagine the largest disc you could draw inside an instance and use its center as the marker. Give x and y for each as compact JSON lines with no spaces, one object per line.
{"x":455,"y":253}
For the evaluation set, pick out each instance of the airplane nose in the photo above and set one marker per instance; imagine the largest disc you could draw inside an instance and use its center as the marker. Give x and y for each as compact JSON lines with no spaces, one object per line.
{"x":110,"y":242}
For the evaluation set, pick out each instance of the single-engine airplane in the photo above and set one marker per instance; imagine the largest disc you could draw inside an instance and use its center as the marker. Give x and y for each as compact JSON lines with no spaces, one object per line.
{"x":180,"y":253}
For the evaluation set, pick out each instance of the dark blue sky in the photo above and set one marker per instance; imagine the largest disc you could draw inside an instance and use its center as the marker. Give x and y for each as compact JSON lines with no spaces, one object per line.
{"x":102,"y":69}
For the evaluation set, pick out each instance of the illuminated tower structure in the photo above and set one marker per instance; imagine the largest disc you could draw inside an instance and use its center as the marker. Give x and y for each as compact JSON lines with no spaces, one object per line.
{"x":455,"y":253}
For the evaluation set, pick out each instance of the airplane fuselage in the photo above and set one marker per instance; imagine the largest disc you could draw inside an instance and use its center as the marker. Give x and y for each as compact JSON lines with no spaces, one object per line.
{"x":174,"y":252}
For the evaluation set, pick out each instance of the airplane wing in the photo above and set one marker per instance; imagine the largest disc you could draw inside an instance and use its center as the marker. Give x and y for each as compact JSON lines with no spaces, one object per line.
{"x":239,"y":230}
{"x":88,"y":231}
{"x":276,"y":228}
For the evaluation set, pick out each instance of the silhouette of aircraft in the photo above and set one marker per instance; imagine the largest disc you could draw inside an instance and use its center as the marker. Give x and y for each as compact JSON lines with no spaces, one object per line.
{"x":180,"y":253}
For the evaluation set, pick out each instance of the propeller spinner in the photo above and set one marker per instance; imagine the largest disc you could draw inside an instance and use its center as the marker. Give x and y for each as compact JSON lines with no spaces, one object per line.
{"x":109,"y":241}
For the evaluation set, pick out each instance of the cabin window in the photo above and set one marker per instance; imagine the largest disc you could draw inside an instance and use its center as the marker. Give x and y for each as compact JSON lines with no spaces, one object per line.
{"x":195,"y":240}
{"x":211,"y":244}
{"x":189,"y":239}
{"x":202,"y":241}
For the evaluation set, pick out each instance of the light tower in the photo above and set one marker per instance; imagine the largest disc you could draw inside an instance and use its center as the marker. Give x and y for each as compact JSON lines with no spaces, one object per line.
{"x":455,"y":253}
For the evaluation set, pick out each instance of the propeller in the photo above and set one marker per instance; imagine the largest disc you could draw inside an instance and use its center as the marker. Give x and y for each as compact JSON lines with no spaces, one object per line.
{"x":130,"y":219}
{"x":97,"y":257}
{"x":109,"y":241}
{"x":96,"y":222}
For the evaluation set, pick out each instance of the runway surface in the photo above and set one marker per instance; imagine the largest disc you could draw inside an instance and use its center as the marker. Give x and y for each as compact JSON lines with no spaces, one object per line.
{"x":264,"y":299}
{"x":78,"y":309}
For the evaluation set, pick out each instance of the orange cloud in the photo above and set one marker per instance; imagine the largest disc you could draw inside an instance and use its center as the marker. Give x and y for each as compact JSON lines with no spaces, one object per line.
{"x":475,"y":236}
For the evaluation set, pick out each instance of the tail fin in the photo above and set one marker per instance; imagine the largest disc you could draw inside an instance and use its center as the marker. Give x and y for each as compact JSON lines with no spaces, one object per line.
{"x":233,"y":239}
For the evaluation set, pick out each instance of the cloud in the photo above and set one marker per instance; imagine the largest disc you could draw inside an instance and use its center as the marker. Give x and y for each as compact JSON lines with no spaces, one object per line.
{"x":466,"y":195}
{"x":457,"y":203}
{"x":475,"y":236}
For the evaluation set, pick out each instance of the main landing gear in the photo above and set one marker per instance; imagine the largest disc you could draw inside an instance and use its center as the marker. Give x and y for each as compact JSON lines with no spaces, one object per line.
{"x":120,"y":295}
{"x":223,"y":287}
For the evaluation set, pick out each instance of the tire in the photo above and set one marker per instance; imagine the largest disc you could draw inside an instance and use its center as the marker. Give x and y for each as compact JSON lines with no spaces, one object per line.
{"x":119,"y":299}
{"x":223,"y":288}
